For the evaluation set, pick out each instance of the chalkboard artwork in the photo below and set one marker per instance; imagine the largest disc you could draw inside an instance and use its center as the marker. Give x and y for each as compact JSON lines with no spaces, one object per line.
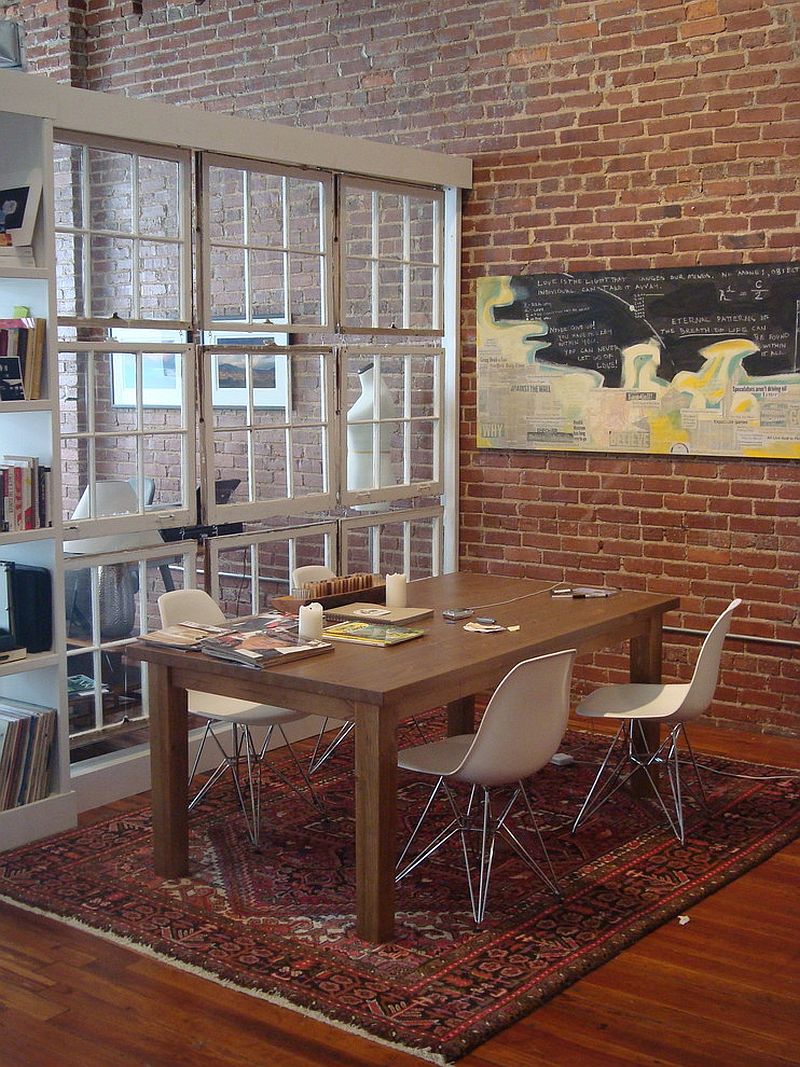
{"x":704,"y":361}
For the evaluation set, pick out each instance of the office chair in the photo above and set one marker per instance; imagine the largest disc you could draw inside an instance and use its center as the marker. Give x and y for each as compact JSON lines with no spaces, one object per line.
{"x":521,"y":729}
{"x":195,"y":605}
{"x":635,"y":703}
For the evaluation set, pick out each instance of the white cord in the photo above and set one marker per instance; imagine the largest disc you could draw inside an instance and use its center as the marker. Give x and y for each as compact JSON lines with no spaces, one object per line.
{"x":514,"y":599}
{"x":749,"y":777}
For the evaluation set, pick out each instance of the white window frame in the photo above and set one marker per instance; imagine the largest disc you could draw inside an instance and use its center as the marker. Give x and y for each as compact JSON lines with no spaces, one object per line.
{"x":136,"y":149}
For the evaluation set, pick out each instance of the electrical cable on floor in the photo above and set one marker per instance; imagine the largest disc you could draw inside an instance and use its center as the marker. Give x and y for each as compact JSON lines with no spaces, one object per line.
{"x":749,"y":777}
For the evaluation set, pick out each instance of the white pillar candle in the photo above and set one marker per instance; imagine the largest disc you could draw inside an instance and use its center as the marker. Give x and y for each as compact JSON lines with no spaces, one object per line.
{"x":310,"y":627}
{"x":395,"y":590}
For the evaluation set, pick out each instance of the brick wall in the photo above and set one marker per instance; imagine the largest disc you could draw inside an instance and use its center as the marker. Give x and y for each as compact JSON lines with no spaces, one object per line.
{"x":607,"y":135}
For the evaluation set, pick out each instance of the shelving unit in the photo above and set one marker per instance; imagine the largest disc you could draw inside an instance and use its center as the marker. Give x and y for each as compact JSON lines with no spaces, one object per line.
{"x":31,"y":428}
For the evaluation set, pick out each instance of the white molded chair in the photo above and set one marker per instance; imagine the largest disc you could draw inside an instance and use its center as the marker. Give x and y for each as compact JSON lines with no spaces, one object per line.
{"x":521,"y":729}
{"x":635,"y":703}
{"x":195,"y":605}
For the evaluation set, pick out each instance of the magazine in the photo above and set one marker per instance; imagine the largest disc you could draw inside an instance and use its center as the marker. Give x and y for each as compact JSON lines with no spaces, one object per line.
{"x":183,"y":635}
{"x":262,"y":640}
{"x":370,"y":633}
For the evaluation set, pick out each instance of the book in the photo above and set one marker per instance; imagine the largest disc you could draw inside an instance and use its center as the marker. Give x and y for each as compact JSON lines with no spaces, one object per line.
{"x":263,"y":640}
{"x":11,"y":378}
{"x":370,"y":633}
{"x":581,"y":592}
{"x":379,"y":613}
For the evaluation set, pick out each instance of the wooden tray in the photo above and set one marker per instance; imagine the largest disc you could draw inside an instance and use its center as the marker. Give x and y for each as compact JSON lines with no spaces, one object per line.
{"x":375,"y":594}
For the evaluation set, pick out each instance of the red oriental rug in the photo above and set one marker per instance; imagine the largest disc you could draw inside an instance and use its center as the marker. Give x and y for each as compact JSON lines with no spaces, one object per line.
{"x":279,"y":923}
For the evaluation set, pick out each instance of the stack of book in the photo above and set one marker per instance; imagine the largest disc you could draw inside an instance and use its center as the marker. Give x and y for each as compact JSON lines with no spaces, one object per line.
{"x":21,"y":358}
{"x":27,"y":732}
{"x":24,"y":494}
{"x":257,"y":641}
{"x":371,"y":633}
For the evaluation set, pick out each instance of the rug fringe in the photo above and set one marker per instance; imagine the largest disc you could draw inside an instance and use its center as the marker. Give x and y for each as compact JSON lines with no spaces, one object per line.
{"x":271,"y":998}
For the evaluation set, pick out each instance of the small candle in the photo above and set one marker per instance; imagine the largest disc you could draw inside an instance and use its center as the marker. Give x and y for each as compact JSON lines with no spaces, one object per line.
{"x":395,"y":590}
{"x":310,"y":627}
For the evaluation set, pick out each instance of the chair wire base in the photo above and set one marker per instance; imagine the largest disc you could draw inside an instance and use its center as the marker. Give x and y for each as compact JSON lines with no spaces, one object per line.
{"x":318,"y":758}
{"x":244,"y":750}
{"x":625,"y":758}
{"x":478,"y":860}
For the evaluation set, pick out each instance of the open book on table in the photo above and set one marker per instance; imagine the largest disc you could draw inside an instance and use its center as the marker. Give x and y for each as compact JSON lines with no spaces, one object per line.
{"x":370,"y":633}
{"x":262,"y":640}
{"x":183,"y":635}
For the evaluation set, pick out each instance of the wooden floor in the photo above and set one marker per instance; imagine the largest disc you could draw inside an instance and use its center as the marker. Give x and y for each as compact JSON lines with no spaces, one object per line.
{"x":720,"y":990}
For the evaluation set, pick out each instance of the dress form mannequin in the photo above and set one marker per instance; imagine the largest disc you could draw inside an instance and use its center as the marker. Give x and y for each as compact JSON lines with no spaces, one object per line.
{"x":360,"y":473}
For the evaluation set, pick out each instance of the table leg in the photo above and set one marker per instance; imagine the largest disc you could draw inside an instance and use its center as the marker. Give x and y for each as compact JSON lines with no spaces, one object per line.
{"x":645,"y":666}
{"x":169,"y":770}
{"x":376,"y":819}
{"x":461,"y":716}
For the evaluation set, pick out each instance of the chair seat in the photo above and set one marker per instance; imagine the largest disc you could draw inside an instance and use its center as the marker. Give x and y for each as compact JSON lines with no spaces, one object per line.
{"x":633,"y":700}
{"x":242,"y":712}
{"x":439,"y":757}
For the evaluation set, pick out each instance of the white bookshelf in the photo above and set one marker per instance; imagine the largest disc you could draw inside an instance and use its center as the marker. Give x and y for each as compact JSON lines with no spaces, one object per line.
{"x":31,"y":428}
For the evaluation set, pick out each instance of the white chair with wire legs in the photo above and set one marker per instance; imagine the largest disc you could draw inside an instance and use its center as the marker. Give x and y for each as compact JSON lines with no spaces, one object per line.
{"x":194,"y":605}
{"x":522,"y":727}
{"x":637,"y":703}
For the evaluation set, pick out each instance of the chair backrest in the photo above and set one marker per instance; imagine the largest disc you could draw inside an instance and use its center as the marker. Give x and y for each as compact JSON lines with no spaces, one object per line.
{"x":305,"y":575}
{"x":706,"y":670}
{"x":189,"y":605}
{"x":524,"y":722}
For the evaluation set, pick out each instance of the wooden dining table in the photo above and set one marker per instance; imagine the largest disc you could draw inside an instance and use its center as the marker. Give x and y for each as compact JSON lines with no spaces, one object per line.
{"x":377,"y":688}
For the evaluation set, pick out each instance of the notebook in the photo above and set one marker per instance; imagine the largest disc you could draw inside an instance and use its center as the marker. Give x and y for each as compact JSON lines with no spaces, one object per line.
{"x":363,"y":612}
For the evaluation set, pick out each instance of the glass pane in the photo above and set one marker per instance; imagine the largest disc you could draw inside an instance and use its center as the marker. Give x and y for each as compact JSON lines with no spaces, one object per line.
{"x":80,"y":682}
{"x":305,"y":204}
{"x":122,"y":688}
{"x":226,"y":205}
{"x":392,"y":541}
{"x":423,"y":455}
{"x":357,"y":281}
{"x":67,"y":183}
{"x":159,"y":280}
{"x":273,"y":571}
{"x":268,"y":285}
{"x":390,"y":296}
{"x":227,"y":284}
{"x":162,"y":470}
{"x":359,"y":552}
{"x":266,"y":210}
{"x":423,"y":385}
{"x":159,"y":187}
{"x":308,"y":465}
{"x":270,"y":473}
{"x":422,"y":541}
{"x":421,"y":229}
{"x":162,"y":388}
{"x":230,"y":460}
{"x":235,"y":581}
{"x":112,"y":277}
{"x":423,"y":298}
{"x":390,"y":226}
{"x":111,"y":191}
{"x":308,"y":388}
{"x":309,"y":551}
{"x":305,"y":288}
{"x":115,"y":461}
{"x":358,"y":223}
{"x":69,"y":274}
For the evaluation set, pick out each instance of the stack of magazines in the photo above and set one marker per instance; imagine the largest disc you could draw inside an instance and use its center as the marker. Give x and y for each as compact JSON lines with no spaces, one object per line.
{"x":257,"y":641}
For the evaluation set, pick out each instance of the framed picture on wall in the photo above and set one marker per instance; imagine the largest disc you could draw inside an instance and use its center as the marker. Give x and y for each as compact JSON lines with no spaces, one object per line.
{"x":19,"y":206}
{"x":229,"y":368}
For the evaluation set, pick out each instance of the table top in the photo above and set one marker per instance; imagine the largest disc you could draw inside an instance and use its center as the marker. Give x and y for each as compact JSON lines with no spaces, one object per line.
{"x":445,"y":664}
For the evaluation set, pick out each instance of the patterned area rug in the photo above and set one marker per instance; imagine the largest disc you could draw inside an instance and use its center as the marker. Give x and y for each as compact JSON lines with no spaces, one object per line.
{"x":279,"y":923}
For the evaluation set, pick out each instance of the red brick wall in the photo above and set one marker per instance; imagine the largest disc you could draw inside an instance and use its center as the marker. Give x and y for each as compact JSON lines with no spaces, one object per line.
{"x":615,"y":134}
